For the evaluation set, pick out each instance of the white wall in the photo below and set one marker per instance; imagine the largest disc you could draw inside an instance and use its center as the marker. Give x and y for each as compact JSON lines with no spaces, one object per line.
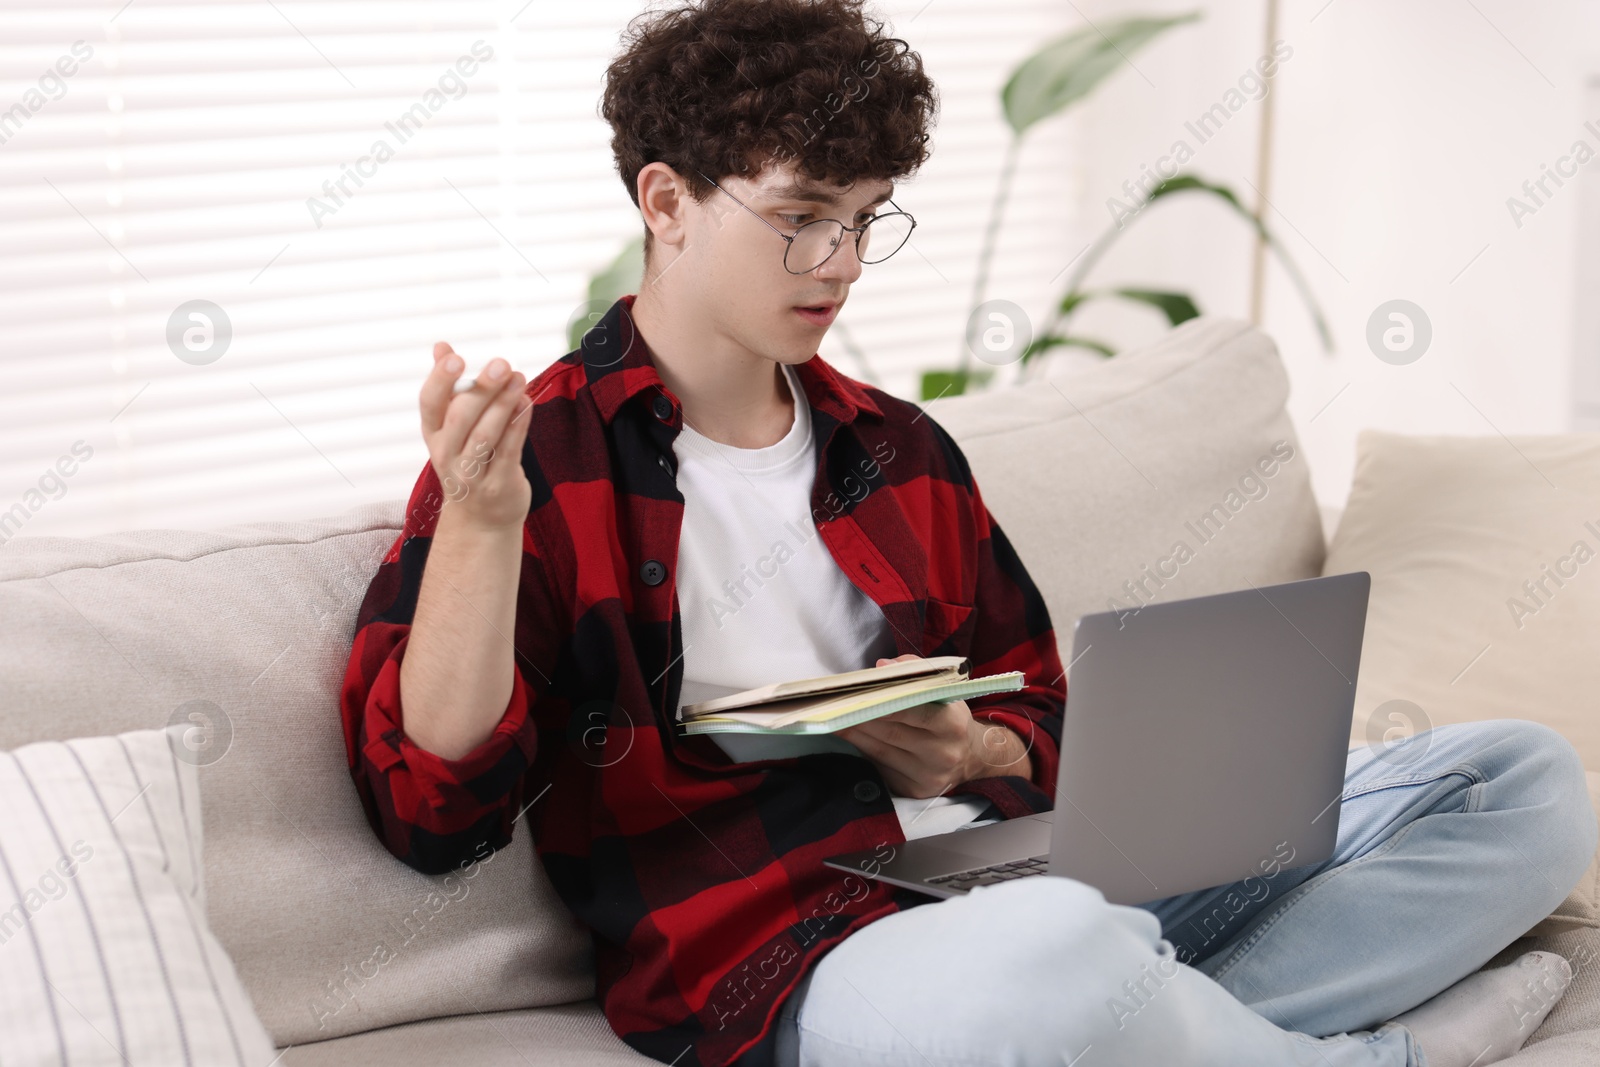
{"x":1402,"y":129}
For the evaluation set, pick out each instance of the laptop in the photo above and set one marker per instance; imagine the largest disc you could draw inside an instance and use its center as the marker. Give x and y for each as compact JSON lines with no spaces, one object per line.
{"x":1204,"y":741}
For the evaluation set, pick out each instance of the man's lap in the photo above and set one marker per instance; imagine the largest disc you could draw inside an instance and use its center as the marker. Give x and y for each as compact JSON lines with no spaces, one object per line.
{"x":976,"y":956}
{"x":1384,"y":791}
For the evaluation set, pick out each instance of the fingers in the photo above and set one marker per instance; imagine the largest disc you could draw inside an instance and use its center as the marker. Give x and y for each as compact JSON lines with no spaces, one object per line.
{"x":909,"y":728}
{"x":509,"y":448}
{"x":435,"y":396}
{"x":491,"y":425}
{"x":877,"y":749}
{"x":898,"y":768}
{"x":882,"y":736}
{"x":936,"y":716}
{"x":450,"y":418}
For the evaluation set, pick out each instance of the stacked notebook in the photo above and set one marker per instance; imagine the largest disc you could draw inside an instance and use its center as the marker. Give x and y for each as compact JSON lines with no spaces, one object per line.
{"x":836,"y":701}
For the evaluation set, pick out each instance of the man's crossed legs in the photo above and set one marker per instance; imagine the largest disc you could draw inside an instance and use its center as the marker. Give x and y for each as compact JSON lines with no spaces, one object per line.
{"x":1450,"y":847}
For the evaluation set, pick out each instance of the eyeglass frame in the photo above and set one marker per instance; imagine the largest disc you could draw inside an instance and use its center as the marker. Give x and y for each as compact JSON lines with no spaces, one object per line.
{"x":789,"y":238}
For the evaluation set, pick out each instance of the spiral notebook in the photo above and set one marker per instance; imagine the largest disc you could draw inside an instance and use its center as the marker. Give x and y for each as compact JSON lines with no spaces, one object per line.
{"x":835,"y":702}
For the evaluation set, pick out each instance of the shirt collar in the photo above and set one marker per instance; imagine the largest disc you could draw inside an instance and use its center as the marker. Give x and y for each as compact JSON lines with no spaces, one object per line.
{"x":618,"y":365}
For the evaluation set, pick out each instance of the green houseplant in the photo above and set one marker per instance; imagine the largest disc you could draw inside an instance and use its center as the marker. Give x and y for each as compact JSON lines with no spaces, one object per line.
{"x":1062,"y":72}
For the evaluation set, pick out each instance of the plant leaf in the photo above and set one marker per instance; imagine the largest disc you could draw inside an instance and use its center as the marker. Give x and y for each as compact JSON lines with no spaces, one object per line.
{"x":1189,"y":183}
{"x":1178,"y":307}
{"x":937,"y":383}
{"x":1068,"y":67}
{"x":1072,"y":300}
{"x":1183,"y":183}
{"x":1057,"y":340}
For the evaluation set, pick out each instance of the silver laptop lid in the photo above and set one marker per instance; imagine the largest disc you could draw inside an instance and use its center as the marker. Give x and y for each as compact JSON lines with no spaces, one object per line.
{"x":1205,"y":739}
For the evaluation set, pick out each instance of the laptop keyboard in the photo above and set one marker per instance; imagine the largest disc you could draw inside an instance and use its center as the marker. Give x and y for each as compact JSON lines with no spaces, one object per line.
{"x":995,"y":872}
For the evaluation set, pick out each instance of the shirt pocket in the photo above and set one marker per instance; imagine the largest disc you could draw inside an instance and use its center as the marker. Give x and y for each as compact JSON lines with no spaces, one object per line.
{"x":946,"y":623}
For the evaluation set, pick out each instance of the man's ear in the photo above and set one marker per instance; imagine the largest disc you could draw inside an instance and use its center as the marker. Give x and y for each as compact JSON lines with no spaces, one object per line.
{"x":664,"y":201}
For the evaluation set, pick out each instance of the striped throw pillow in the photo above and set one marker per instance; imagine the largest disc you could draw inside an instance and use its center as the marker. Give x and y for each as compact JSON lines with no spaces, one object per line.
{"x":105,"y":953}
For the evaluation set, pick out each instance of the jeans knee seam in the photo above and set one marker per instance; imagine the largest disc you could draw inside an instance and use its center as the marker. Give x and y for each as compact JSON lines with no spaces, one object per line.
{"x":1466,"y":770}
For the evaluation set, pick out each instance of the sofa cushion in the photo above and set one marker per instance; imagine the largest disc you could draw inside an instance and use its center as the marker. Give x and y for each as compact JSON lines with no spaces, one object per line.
{"x":242,"y":635}
{"x":1169,"y":471}
{"x":1485,"y":561}
{"x":571,"y":1035}
{"x":105,"y":954}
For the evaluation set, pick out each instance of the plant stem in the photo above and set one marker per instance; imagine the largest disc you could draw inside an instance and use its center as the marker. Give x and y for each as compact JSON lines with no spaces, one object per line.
{"x":1258,"y":257}
{"x":1086,"y":263}
{"x":991,"y":236}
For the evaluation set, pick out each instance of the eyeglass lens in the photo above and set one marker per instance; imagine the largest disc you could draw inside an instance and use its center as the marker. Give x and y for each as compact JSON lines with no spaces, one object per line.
{"x":815,"y":241}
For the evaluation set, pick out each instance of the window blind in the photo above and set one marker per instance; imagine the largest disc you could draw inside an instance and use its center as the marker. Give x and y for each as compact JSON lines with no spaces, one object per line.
{"x":233,"y":231}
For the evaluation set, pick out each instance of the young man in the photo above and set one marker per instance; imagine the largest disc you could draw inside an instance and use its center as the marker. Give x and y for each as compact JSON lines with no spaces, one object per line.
{"x":694,"y":502}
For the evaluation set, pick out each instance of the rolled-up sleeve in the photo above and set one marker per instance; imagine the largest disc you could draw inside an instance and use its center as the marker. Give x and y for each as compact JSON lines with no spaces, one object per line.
{"x":431,"y":812}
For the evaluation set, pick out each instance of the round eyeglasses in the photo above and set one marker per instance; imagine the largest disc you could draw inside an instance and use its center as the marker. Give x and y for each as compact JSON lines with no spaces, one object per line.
{"x":815,"y":242}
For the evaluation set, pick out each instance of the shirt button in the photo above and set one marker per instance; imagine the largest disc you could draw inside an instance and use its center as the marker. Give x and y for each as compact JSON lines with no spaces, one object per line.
{"x":653,"y":572}
{"x":867,"y":791}
{"x":664,"y":463}
{"x":663,"y":408}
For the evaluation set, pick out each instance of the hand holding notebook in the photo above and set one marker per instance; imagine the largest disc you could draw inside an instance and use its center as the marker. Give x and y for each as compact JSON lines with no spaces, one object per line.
{"x":835,"y":702}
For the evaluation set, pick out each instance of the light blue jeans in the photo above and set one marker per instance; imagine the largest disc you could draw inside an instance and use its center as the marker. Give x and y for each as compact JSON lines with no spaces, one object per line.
{"x":1451,"y":846}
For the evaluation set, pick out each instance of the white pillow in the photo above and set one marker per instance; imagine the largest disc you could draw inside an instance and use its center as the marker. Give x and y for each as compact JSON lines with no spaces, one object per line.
{"x":1485,"y":562}
{"x":1170,"y":471}
{"x":105,"y":955}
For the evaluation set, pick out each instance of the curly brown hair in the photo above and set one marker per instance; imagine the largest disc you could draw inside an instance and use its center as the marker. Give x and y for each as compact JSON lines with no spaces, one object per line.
{"x":731,"y":86}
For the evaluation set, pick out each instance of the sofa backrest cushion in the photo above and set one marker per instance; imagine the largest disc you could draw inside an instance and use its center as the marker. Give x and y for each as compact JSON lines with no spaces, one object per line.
{"x":1167,"y":471}
{"x":242,"y":635}
{"x":1485,"y":560}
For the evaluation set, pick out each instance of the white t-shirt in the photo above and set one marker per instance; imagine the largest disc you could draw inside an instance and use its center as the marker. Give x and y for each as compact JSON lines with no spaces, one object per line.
{"x":762,"y":599}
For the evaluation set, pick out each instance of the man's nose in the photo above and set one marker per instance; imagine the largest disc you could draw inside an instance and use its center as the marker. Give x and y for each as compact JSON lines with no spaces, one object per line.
{"x":844,"y":263}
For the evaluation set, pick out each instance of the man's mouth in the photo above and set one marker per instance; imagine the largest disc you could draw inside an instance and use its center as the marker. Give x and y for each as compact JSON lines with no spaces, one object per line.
{"x":818,"y":314}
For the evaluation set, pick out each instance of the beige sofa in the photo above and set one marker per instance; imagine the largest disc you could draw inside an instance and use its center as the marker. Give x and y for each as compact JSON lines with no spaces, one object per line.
{"x":1094,"y":476}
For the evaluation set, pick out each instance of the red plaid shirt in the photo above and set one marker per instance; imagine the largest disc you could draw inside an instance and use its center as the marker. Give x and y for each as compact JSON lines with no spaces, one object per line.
{"x":701,"y":879}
